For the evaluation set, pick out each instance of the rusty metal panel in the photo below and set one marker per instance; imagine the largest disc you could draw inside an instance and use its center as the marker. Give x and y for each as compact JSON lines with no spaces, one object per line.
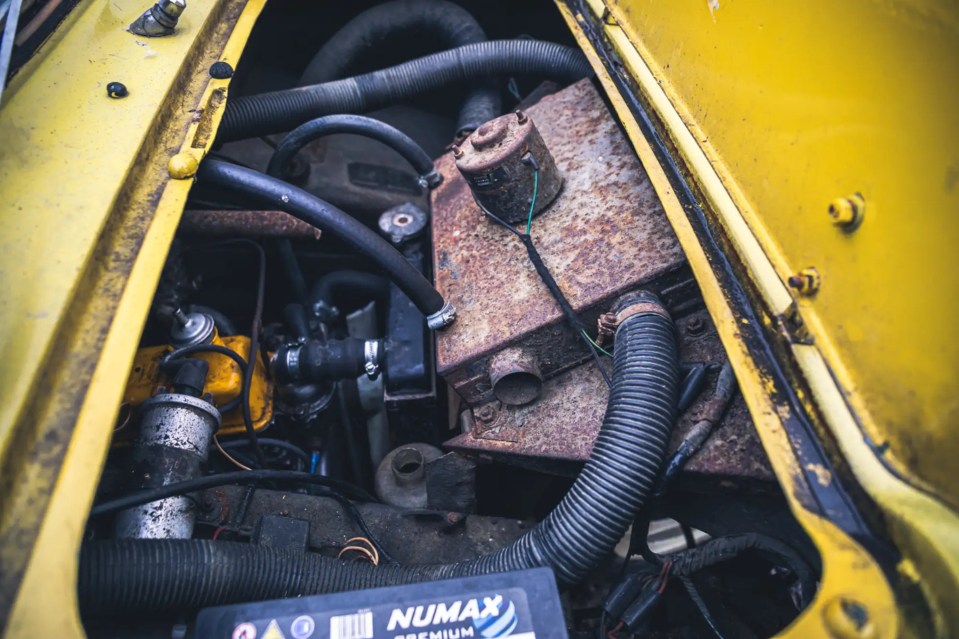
{"x":604,"y":235}
{"x":562,"y":425}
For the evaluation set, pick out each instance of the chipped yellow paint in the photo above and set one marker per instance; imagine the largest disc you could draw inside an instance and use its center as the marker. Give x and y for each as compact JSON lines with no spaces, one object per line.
{"x":89,"y":214}
{"x":793,"y":105}
{"x":924,"y":529}
{"x":848,"y":569}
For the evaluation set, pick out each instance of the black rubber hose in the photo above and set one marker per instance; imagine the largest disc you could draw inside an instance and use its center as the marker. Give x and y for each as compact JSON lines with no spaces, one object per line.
{"x":332,"y":290}
{"x":572,"y":540}
{"x":312,"y":210}
{"x":444,"y":23}
{"x":358,"y":125}
{"x":277,"y":111}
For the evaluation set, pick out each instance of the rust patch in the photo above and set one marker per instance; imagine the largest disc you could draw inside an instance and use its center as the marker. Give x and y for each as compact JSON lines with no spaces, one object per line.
{"x":563,"y":424}
{"x":256,"y":224}
{"x":604,"y":235}
{"x":204,"y":131}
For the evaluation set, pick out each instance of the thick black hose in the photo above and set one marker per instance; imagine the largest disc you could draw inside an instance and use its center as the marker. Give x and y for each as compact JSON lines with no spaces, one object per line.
{"x":277,"y":111}
{"x":331,"y":290}
{"x":358,"y":125}
{"x":444,"y":23}
{"x":587,"y":524}
{"x":312,"y":210}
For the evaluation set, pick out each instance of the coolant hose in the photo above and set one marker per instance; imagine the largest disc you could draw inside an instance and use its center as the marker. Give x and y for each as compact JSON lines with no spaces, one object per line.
{"x":358,"y":125}
{"x":444,"y":23}
{"x":326,"y":217}
{"x":612,"y":487}
{"x":277,"y":111}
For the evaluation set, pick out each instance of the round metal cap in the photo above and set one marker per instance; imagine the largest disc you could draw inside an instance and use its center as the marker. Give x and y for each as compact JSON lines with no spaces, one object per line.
{"x":190,"y":329}
{"x":403,"y":223}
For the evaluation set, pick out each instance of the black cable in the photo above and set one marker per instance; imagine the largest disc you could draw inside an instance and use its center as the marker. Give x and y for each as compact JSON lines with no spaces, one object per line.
{"x":210,"y":481}
{"x":254,"y":353}
{"x":701,"y":606}
{"x":275,"y":443}
{"x":568,"y":312}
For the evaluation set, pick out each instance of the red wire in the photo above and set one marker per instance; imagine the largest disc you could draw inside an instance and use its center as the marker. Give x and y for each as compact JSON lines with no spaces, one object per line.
{"x":664,"y":575}
{"x":216,"y":533}
{"x":612,"y":633}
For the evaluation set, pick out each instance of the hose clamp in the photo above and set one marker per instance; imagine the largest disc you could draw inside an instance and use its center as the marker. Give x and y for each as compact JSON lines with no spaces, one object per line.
{"x":371,"y":358}
{"x":291,"y":362}
{"x":430,"y":180}
{"x":442,"y":318}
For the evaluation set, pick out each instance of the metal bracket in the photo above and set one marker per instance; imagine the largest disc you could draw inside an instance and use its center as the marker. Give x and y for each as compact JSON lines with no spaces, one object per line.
{"x":792,"y":327}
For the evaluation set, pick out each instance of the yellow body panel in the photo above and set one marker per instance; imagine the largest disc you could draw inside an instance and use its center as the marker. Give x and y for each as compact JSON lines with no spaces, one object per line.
{"x":799,"y":104}
{"x":223,"y":381}
{"x":770,"y":206}
{"x":80,"y":263}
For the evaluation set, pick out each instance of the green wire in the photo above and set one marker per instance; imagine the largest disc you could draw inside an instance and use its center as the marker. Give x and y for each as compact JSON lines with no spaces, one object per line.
{"x":532,"y":204}
{"x":598,"y":347}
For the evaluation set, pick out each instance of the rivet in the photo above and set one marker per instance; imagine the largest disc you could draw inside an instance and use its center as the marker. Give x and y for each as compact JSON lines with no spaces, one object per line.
{"x":847,"y":619}
{"x":221,"y":70}
{"x":806,"y":281}
{"x":182,"y":166}
{"x":848,"y":212}
{"x":117,"y":90}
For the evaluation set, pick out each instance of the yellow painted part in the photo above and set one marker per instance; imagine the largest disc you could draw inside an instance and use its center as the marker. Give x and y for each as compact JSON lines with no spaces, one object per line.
{"x":88,"y":215}
{"x":923,"y":528}
{"x":849,"y":572}
{"x":224,"y":381}
{"x":797,"y":104}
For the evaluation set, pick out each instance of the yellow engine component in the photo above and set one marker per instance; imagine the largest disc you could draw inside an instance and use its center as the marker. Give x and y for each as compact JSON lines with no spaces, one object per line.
{"x":224,"y":381}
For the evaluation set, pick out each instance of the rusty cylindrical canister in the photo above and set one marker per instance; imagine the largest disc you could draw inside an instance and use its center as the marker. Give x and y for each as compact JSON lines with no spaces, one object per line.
{"x":501,"y":159}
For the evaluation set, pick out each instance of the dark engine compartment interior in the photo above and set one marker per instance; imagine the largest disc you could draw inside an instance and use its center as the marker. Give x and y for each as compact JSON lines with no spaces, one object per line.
{"x":363,"y":439}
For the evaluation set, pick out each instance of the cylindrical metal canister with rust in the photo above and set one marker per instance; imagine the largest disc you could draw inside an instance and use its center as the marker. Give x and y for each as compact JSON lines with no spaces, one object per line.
{"x":505,"y":161}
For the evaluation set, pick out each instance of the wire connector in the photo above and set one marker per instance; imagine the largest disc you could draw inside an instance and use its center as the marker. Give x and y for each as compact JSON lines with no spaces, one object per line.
{"x":442,"y":318}
{"x":430,"y":180}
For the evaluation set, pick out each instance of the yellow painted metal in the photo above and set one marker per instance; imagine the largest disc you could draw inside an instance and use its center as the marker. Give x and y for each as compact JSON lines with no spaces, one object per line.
{"x":224,"y":382}
{"x":88,"y":213}
{"x":798,"y":104}
{"x":850,"y":572}
{"x":923,"y":528}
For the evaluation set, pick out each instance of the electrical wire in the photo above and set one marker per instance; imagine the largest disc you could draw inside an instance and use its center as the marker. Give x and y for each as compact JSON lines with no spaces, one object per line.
{"x":547,"y":277}
{"x":598,"y":347}
{"x":697,"y":599}
{"x":298,"y":452}
{"x":336,"y":489}
{"x":245,"y":371}
{"x":228,"y":456}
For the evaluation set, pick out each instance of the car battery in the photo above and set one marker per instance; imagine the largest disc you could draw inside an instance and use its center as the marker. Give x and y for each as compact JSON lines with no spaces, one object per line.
{"x":520,"y":605}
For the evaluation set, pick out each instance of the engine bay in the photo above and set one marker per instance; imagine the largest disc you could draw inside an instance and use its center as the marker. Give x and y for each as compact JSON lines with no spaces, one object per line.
{"x":426,"y":335}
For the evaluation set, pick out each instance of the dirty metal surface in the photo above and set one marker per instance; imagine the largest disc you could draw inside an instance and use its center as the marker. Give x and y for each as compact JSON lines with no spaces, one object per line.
{"x":562,"y":425}
{"x":604,"y":235}
{"x":254,"y":224}
{"x":410,"y":538}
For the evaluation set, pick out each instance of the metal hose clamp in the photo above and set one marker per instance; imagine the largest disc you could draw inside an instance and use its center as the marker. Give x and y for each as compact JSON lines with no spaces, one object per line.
{"x":371,"y":358}
{"x":442,"y":318}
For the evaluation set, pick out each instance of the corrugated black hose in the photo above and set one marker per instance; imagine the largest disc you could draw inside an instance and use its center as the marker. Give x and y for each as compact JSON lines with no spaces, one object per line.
{"x":444,"y":23}
{"x":612,"y":487}
{"x":277,"y":111}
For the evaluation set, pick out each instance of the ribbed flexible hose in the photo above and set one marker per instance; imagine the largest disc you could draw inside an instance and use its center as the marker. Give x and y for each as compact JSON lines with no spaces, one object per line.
{"x":446,"y":24}
{"x":323,"y":215}
{"x":256,"y":115}
{"x":594,"y":515}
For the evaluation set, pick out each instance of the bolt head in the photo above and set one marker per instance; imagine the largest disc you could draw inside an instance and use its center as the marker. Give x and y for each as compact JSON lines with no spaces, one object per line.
{"x":805,"y":282}
{"x":182,"y":166}
{"x":117,"y":90}
{"x":847,"y":212}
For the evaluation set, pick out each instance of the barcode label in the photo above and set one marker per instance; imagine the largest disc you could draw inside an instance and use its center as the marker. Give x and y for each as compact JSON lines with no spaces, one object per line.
{"x":356,"y":626}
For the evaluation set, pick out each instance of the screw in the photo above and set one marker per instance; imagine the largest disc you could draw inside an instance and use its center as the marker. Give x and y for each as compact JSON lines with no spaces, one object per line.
{"x":457,"y":152}
{"x":521,"y":117}
{"x":848,"y":212}
{"x":485,"y":413}
{"x":117,"y":90}
{"x":696,"y":326}
{"x":847,"y":619}
{"x":806,"y":281}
